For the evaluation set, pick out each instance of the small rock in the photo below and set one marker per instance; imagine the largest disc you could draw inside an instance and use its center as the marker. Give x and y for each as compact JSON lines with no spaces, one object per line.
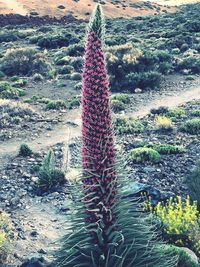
{"x":138,"y":91}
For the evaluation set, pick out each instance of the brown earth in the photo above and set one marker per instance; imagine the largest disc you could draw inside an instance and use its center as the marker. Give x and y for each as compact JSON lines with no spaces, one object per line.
{"x":81,"y":8}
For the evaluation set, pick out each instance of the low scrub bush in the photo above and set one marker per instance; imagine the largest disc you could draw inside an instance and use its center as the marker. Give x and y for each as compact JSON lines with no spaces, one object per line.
{"x":196,"y":113}
{"x":167,"y":149}
{"x":160,"y":110}
{"x":6,"y":36}
{"x":76,"y":76}
{"x":119,"y":101}
{"x":25,"y":150}
{"x":24,"y":61}
{"x":9,"y":92}
{"x":10,"y":111}
{"x":49,"y":176}
{"x":74,"y":102}
{"x":123,"y":125}
{"x":66,"y":69}
{"x":117,"y":105}
{"x":125,"y":98}
{"x":75,"y":50}
{"x":191,"y":63}
{"x":176,"y":113}
{"x":191,"y":126}
{"x":56,"y":104}
{"x":143,"y":154}
{"x":57,"y":41}
{"x":143,"y":80}
{"x":163,"y":124}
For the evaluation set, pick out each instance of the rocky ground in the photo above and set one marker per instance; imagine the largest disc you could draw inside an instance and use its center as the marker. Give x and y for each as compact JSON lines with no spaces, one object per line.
{"x":40,"y":219}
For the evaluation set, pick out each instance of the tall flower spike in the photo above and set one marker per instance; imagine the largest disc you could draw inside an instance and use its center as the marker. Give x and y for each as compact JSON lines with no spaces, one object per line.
{"x":98,"y":153}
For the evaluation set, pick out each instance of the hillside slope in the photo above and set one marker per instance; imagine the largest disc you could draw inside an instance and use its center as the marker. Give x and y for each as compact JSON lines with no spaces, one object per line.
{"x":80,"y":8}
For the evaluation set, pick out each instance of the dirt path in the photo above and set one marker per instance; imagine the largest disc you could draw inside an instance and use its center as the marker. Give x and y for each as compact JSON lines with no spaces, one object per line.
{"x":167,"y":100}
{"x":64,"y":132}
{"x":15,"y":6}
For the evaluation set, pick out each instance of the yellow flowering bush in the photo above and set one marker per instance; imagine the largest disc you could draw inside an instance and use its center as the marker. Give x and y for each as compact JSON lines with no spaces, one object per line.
{"x":163,"y":123}
{"x":180,"y":219}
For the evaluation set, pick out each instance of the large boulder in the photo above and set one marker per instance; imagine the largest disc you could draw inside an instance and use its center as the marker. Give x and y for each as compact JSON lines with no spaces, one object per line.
{"x":137,"y":190}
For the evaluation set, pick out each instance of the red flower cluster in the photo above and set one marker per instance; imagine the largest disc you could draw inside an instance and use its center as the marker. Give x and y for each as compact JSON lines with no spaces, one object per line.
{"x":98,"y":153}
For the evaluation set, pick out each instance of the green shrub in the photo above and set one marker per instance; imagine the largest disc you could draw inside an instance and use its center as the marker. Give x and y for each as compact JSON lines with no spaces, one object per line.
{"x":57,"y":41}
{"x":143,"y":80}
{"x":160,"y":110}
{"x":24,"y":61}
{"x":14,"y":78}
{"x":56,"y":104}
{"x":8,"y":37}
{"x":9,"y":92}
{"x":117,"y":105}
{"x":49,"y":176}
{"x":191,"y":126}
{"x":67,"y":69}
{"x":196,"y":113}
{"x":75,"y":50}
{"x":176,"y":113}
{"x":74,"y":102}
{"x":20,"y":83}
{"x":193,"y":183}
{"x":167,"y":149}
{"x":125,"y":98}
{"x":76,"y":76}
{"x":25,"y":150}
{"x":192,"y":63}
{"x":142,"y":154}
{"x":62,"y":61}
{"x":123,"y":125}
{"x":10,"y":110}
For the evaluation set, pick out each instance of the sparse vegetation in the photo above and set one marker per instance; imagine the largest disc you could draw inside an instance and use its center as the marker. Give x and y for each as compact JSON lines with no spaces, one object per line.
{"x":191,"y":126}
{"x":24,"y":61}
{"x":7,"y":91}
{"x":123,"y":125}
{"x":13,"y":111}
{"x":25,"y":150}
{"x":49,"y":176}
